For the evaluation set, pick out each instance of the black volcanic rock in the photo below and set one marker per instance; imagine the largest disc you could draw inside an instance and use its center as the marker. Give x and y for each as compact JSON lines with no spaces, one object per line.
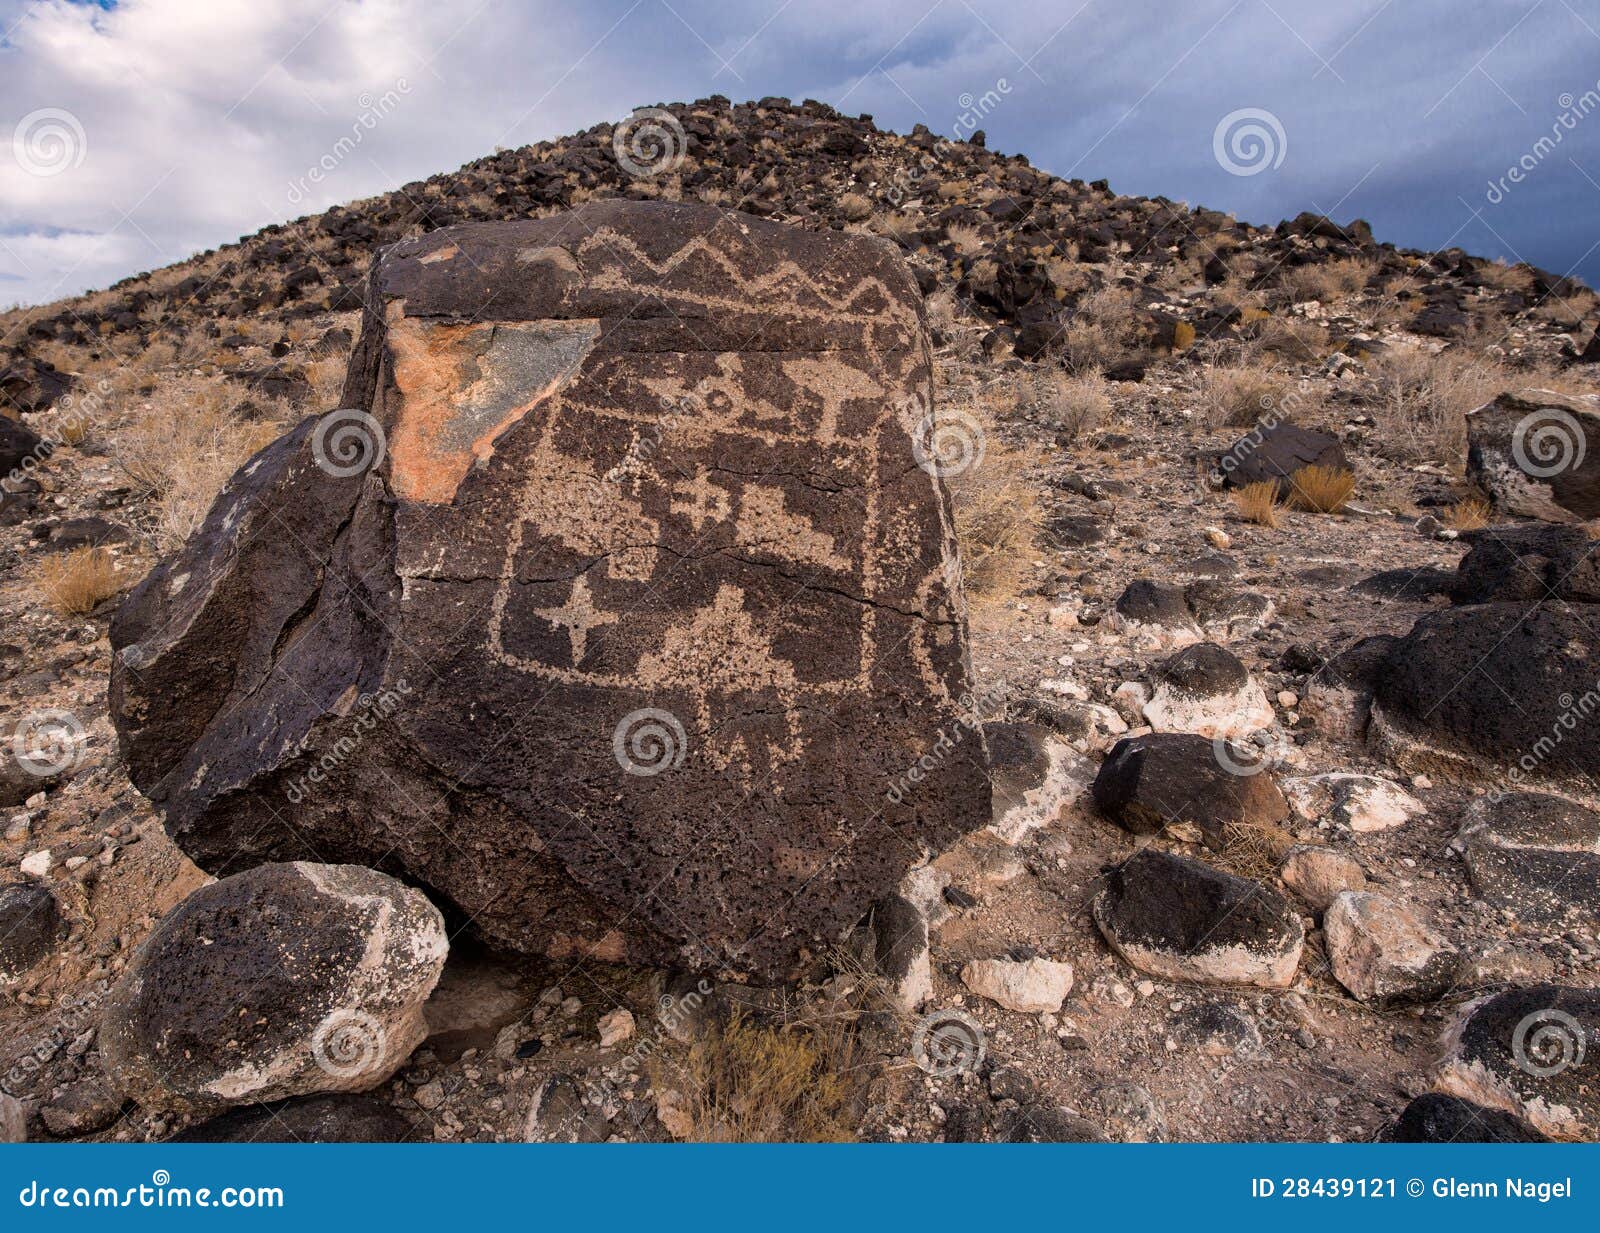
{"x":610,"y":609}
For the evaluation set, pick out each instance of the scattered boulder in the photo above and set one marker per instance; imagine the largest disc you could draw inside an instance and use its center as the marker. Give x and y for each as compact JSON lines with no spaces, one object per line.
{"x":1205,"y":689}
{"x":1025,"y":985}
{"x":1537,"y":453}
{"x":638,"y":633}
{"x":1435,"y":1117}
{"x":1275,"y":452}
{"x":84,"y":1107}
{"x":1529,"y":563}
{"x":339,"y":1118}
{"x":29,"y":385}
{"x":1183,"y":920}
{"x":1535,"y":855}
{"x":1361,"y":803}
{"x":1382,"y":953}
{"x":1164,"y":616}
{"x":1035,"y":775}
{"x":1215,"y":1029}
{"x":30,"y":927}
{"x":1532,"y":1052}
{"x":18,"y":443}
{"x":1442,"y":699}
{"x":1319,"y":874}
{"x":1338,"y":697}
{"x":899,"y":938}
{"x":279,"y":981}
{"x":1186,"y":786}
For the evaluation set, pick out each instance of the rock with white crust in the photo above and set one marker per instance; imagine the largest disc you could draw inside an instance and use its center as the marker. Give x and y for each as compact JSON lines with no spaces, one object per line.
{"x":280,"y":981}
{"x":1361,"y":803}
{"x":1029,"y":986}
{"x":1382,"y":953}
{"x":1205,"y":689}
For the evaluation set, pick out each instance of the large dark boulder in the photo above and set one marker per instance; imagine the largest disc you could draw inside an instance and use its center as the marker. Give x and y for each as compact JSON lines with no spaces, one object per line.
{"x":1527,"y":563}
{"x":1275,"y":451}
{"x":1536,"y":856}
{"x":336,"y":1118}
{"x":1187,"y":786}
{"x":28,"y":385}
{"x":1434,"y":1117}
{"x":1182,"y":920}
{"x":1494,"y":689}
{"x":1537,"y":453}
{"x":18,"y":443}
{"x":609,"y":606}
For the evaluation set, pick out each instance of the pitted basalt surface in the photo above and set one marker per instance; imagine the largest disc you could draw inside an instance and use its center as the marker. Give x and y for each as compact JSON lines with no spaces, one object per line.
{"x":623,"y":640}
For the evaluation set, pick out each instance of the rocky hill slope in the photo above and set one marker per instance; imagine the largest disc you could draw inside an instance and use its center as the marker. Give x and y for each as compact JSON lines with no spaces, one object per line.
{"x":1352,"y":923}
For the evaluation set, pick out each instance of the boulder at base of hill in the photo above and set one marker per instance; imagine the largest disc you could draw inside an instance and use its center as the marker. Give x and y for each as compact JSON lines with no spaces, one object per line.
{"x":615,"y":603}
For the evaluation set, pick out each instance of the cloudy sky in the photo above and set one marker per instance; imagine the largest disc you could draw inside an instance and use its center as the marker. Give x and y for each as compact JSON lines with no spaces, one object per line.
{"x":141,"y":131}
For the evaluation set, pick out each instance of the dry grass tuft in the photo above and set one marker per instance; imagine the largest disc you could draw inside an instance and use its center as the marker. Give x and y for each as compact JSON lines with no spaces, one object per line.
{"x":1073,"y":406}
{"x":751,"y":1083}
{"x":897,"y":226}
{"x":1330,"y":280}
{"x":183,"y":446}
{"x":998,"y":519}
{"x":967,"y":239}
{"x":76,"y":583}
{"x":1421,"y":400}
{"x":1322,"y":490}
{"x":1258,"y":503}
{"x":855,"y":207}
{"x":1253,"y":849}
{"x":1291,"y":338}
{"x":1239,"y":397}
{"x":1468,"y":515}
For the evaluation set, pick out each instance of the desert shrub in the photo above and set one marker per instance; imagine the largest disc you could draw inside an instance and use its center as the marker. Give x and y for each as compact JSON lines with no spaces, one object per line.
{"x":897,"y":226}
{"x":855,"y":207}
{"x":1258,"y":502}
{"x":77,"y":582}
{"x":1420,"y":400}
{"x":1072,"y":404}
{"x":1322,"y":490}
{"x":1101,"y":330}
{"x":966,"y":239}
{"x":1291,"y":338}
{"x":326,"y":375}
{"x":747,"y":1082}
{"x":183,"y":445}
{"x":1238,"y":397}
{"x":998,"y":519}
{"x":1329,"y":280}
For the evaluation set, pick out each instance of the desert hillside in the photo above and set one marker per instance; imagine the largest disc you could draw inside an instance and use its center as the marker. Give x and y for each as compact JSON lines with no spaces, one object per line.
{"x":1282,"y":662}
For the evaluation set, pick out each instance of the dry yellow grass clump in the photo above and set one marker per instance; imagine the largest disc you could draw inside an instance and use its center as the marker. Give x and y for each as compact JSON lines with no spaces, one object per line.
{"x":1258,"y":503}
{"x":998,"y":519}
{"x":750,"y":1083}
{"x":184,"y":444}
{"x":1468,"y":515}
{"x":76,"y":583}
{"x":1073,"y":405}
{"x":1420,"y":400}
{"x":1322,"y":490}
{"x":1238,"y":397}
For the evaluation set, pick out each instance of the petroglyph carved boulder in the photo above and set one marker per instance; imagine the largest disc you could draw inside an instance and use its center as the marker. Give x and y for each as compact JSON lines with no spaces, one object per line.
{"x":607,"y":607}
